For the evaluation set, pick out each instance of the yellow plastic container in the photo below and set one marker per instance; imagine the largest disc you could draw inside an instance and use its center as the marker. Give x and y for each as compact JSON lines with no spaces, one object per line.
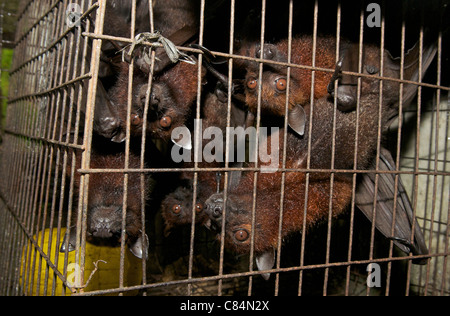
{"x":106,"y":277}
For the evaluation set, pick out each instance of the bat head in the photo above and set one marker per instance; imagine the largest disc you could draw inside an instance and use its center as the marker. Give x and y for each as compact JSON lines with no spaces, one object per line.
{"x":106,"y":201}
{"x":274,"y":81}
{"x":170,"y":101}
{"x":371,"y":58}
{"x":238,"y":222}
{"x":176,"y":209}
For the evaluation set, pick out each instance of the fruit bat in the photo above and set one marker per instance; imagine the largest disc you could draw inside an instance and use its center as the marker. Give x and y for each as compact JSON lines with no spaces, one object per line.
{"x":319,"y":157}
{"x":239,"y":204}
{"x":105,"y":200}
{"x":274,"y":85}
{"x":172,"y":98}
{"x":177,"y":207}
{"x":346,"y":96}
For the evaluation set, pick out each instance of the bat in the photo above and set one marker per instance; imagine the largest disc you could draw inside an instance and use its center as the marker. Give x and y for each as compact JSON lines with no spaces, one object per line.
{"x":274,"y":78}
{"x":274,"y":85}
{"x":172,"y":97}
{"x":346,"y":93}
{"x":346,"y":96}
{"x":177,"y":207}
{"x":239,"y":206}
{"x":105,"y":201}
{"x":240,"y":199}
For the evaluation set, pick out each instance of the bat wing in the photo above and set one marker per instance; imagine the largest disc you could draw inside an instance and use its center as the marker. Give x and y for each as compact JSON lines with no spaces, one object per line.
{"x":404,"y":215}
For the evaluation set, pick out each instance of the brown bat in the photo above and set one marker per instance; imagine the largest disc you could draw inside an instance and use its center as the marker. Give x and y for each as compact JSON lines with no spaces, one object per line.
{"x":105,"y":201}
{"x":177,"y":207}
{"x":274,"y":78}
{"x":274,"y":85}
{"x":239,"y":204}
{"x":240,"y":199}
{"x":171,"y":101}
{"x":346,"y":96}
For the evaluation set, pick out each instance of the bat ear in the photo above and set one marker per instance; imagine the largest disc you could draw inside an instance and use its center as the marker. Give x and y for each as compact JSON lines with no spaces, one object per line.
{"x":297,"y":120}
{"x":140,"y":247}
{"x":266,"y":261}
{"x":70,"y":240}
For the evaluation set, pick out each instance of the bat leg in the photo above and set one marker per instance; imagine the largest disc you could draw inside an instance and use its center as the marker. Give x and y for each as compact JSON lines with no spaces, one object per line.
{"x":346,"y":93}
{"x":210,"y":57}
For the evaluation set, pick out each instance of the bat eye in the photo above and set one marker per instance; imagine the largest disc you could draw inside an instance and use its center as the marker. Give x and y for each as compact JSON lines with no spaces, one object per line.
{"x":252,"y":83}
{"x":199,"y":208}
{"x":241,"y":235}
{"x":136,"y":119}
{"x":281,"y":84}
{"x":177,"y":209}
{"x":166,"y":122}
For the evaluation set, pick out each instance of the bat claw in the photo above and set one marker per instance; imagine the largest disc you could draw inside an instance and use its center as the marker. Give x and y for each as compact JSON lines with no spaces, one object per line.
{"x":210,"y":57}
{"x":336,"y":76}
{"x":297,"y":120}
{"x":69,"y":240}
{"x":412,"y":248}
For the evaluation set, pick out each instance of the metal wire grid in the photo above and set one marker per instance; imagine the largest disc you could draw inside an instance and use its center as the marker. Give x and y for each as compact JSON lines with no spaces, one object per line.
{"x":37,"y":152}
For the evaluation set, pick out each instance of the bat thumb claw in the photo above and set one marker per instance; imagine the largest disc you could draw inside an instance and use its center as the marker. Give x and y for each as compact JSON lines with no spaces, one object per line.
{"x":297,"y":120}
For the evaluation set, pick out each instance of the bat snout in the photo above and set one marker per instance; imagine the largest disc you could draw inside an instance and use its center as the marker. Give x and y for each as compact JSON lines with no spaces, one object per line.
{"x":104,"y":223}
{"x":214,"y":206}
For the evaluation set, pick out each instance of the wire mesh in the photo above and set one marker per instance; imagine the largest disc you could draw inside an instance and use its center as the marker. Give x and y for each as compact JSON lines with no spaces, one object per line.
{"x":60,"y":159}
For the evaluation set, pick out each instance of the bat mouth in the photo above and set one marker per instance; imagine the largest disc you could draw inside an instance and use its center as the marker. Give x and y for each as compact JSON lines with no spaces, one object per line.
{"x":102,"y":233}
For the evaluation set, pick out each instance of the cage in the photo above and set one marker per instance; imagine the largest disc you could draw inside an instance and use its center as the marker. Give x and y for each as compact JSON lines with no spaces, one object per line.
{"x":222,"y":147}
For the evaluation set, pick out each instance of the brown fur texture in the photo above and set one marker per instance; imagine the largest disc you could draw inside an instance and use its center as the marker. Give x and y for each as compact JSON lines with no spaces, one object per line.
{"x":274,"y":100}
{"x":172,"y":98}
{"x":177,"y":207}
{"x":324,"y":195}
{"x":106,"y":194}
{"x":214,"y":114}
{"x":371,"y":65}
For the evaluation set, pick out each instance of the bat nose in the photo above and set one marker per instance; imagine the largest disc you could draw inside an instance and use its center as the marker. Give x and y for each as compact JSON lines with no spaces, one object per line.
{"x":101,"y":228}
{"x":269,"y":52}
{"x":104,"y":223}
{"x":214,"y":206}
